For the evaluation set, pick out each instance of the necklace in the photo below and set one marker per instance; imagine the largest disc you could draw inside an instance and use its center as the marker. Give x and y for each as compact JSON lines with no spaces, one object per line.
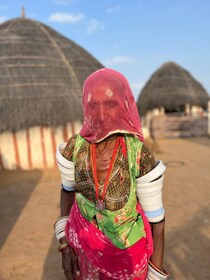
{"x":100,"y":203}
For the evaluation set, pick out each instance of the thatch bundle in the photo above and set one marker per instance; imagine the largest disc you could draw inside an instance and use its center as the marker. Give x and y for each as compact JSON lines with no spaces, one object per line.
{"x":171,"y":87}
{"x":41,"y":76}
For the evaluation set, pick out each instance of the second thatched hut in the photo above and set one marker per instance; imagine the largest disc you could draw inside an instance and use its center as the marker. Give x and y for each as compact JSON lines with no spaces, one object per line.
{"x":173,"y":103}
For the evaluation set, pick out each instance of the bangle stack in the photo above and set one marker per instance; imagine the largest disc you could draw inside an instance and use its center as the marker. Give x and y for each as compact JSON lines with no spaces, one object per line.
{"x":62,"y":247}
{"x":59,"y":227}
{"x":154,"y":273}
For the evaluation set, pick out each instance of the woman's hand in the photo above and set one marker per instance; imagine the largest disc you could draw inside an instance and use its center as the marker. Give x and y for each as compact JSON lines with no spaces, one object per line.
{"x":70,"y":264}
{"x":69,"y":258}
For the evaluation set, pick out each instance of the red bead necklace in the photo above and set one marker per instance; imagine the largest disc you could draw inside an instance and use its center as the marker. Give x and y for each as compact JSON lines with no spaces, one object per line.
{"x":100,"y":203}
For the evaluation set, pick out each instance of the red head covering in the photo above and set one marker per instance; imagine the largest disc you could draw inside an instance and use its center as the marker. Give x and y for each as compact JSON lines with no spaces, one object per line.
{"x":109,"y":107}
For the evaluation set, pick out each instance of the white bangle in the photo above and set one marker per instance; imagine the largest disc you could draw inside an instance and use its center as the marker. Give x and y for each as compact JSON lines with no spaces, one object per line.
{"x":154,"y":273}
{"x":59,"y":227}
{"x":68,"y":188}
{"x":66,"y":168}
{"x":149,"y":193}
{"x":60,"y":235}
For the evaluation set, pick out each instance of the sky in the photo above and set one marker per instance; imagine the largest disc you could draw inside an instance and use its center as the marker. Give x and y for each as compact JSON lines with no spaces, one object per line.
{"x":134,"y":37}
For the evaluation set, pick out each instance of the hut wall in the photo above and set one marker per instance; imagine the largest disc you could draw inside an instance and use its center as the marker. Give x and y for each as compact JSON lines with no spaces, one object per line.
{"x":34,"y":147}
{"x":146,"y":132}
{"x":7,"y":151}
{"x":178,"y":126}
{"x":208,"y":115}
{"x":21,"y":149}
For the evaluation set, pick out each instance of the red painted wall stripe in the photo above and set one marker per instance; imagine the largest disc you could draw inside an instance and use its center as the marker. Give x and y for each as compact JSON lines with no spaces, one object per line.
{"x":65,"y":133}
{"x":53,"y":145}
{"x":29,"y":149}
{"x":43,"y":147}
{"x":17,"y":157}
{"x":1,"y":161}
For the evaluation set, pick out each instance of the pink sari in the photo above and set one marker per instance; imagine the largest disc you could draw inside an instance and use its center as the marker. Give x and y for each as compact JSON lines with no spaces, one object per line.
{"x":109,"y":107}
{"x":99,"y":259}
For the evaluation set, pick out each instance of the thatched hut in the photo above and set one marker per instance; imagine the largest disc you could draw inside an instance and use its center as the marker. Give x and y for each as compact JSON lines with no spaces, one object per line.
{"x":41,"y":80}
{"x":174,"y":97}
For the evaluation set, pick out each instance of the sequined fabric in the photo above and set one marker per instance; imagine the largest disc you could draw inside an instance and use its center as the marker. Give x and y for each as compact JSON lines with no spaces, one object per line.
{"x":147,"y":160}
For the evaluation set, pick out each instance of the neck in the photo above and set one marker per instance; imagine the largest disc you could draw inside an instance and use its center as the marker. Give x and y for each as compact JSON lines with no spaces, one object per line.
{"x":111,"y":137}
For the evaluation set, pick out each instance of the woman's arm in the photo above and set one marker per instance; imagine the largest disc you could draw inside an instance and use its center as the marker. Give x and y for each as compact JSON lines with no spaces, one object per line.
{"x":67,"y":195}
{"x":66,"y":166}
{"x":158,"y":240}
{"x":148,"y":163}
{"x":69,"y":258}
{"x":66,"y":202}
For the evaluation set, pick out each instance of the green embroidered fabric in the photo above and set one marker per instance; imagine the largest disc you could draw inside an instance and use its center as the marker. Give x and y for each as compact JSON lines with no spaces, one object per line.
{"x":123,"y":226}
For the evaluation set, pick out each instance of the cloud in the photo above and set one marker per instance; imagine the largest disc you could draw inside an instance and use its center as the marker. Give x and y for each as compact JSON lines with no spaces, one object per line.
{"x":94,"y":25}
{"x":119,"y":60}
{"x":2,"y":19}
{"x":113,"y":9}
{"x":66,"y":17}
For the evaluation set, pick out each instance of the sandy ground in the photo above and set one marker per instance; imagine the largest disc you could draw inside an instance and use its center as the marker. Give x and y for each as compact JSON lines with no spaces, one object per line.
{"x":29,"y":205}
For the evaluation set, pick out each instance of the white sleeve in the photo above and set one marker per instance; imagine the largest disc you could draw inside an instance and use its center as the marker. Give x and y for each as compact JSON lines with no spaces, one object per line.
{"x":66,"y":168}
{"x":149,"y":193}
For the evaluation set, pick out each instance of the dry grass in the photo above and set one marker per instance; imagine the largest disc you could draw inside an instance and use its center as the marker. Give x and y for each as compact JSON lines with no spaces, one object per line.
{"x":42,"y":75}
{"x":171,"y":87}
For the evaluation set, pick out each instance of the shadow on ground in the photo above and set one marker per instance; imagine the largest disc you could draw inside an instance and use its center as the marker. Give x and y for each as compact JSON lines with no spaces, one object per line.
{"x":187,"y":248}
{"x":16,"y":188}
{"x":52,"y":267}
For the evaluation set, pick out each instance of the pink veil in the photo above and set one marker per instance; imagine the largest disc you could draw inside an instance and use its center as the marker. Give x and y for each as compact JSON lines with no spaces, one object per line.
{"x":106,"y":91}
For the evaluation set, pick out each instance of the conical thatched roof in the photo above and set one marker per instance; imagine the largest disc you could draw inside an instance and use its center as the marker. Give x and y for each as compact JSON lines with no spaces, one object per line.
{"x":171,"y":87}
{"x":41,"y":75}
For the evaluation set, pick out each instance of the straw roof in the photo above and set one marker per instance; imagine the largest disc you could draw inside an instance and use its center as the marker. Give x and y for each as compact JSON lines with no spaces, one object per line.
{"x":171,"y":87}
{"x":41,"y":75}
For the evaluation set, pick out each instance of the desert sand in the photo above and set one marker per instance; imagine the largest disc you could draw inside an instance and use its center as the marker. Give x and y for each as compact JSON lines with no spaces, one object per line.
{"x":29,"y":206}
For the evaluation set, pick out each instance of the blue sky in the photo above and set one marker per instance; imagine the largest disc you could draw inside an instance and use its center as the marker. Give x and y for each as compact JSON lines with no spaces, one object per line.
{"x":134,"y":37}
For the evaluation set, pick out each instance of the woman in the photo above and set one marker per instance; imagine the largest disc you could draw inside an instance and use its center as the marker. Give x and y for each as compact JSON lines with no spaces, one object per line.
{"x":104,"y":232}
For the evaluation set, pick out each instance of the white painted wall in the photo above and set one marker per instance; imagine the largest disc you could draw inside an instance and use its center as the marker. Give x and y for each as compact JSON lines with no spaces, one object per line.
{"x":7,"y":150}
{"x":208,"y":118}
{"x":38,"y":144}
{"x":23,"y":149}
{"x":48,"y":148}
